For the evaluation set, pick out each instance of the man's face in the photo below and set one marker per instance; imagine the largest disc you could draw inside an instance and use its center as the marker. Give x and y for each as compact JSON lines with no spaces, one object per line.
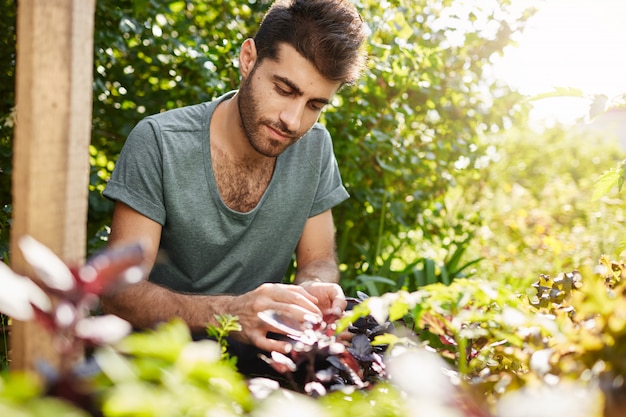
{"x":280,"y":100}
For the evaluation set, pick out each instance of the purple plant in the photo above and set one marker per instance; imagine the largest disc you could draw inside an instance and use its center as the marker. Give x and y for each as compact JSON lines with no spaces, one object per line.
{"x":62,"y":299}
{"x":321,"y":361}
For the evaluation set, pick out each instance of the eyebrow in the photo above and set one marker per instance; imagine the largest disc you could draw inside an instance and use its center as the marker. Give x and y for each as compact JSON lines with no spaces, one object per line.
{"x":297,"y":90}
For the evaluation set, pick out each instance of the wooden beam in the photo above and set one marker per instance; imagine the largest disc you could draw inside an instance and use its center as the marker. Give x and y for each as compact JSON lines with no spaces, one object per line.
{"x":54,"y":78}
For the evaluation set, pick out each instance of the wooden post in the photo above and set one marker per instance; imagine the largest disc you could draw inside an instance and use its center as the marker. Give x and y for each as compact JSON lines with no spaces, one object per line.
{"x":51,"y":145}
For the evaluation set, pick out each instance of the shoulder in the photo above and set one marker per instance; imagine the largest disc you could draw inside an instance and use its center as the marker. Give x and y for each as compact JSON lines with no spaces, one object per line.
{"x":190,"y":118}
{"x":318,"y":138}
{"x":195,"y":117}
{"x":315,"y":147}
{"x":319,"y":131}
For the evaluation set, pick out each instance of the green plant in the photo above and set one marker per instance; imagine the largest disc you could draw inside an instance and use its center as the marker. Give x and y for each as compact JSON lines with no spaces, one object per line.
{"x":164,"y":373}
{"x":23,"y":394}
{"x":402,"y":268}
{"x":226,"y":324}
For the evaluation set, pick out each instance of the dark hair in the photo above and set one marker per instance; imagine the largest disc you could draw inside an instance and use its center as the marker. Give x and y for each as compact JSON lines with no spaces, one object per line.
{"x":328,"y":33}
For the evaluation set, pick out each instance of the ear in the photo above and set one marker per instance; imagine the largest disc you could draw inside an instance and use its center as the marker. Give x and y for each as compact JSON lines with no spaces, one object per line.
{"x":247,"y":57}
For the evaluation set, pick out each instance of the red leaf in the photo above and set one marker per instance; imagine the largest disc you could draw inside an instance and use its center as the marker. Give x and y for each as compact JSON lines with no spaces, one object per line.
{"x":114,"y":266}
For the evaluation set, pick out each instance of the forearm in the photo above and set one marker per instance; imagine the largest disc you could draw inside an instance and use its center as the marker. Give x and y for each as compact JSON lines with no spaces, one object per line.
{"x":322,"y":270}
{"x":146,"y":304}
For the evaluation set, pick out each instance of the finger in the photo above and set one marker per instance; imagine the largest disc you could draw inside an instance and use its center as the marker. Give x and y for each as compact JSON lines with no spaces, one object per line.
{"x":334,"y":301}
{"x":339,"y":304}
{"x":300,"y":297}
{"x":296,"y":313}
{"x":301,"y":292}
{"x":272,"y":345}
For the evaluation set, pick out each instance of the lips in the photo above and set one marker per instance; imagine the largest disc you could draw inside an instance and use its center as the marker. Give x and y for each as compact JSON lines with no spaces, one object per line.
{"x":279,"y":134}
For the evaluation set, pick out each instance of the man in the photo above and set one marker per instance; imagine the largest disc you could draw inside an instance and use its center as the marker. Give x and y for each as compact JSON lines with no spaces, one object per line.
{"x":226,"y":192}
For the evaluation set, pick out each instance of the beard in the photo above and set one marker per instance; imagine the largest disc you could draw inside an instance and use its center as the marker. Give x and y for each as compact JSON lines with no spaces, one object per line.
{"x":252,"y":123}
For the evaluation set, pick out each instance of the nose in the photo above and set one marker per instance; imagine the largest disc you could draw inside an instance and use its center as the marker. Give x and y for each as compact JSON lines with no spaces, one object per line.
{"x":291,"y":116}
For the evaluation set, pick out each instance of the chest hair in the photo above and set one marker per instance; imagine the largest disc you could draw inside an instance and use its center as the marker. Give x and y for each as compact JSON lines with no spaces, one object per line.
{"x":241,"y":183}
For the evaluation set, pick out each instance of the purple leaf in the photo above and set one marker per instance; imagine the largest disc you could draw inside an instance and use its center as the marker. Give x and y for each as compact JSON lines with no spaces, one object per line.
{"x":281,"y":363}
{"x":361,"y":347}
{"x":19,"y":294}
{"x":102,"y":330}
{"x":120,"y":265}
{"x":48,"y":267}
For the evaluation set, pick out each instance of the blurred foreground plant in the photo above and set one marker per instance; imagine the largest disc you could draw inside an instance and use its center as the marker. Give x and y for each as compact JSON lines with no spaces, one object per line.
{"x":477,"y":340}
{"x":61,"y":299}
{"x":163,"y":372}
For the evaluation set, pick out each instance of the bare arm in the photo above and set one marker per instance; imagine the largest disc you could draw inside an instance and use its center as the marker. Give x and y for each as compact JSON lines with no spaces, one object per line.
{"x":316,"y":258}
{"x":146,"y":304}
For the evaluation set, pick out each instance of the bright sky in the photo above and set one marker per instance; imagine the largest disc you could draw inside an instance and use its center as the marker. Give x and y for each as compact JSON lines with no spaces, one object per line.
{"x":569,"y":43}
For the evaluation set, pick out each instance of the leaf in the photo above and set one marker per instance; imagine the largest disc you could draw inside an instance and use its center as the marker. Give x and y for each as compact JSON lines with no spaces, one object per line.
{"x":429,"y":271}
{"x":281,"y":363}
{"x":166,"y":342}
{"x":315,"y":389}
{"x":359,"y":311}
{"x":378,"y":309}
{"x":177,"y":6}
{"x":102,"y":330}
{"x":390,"y":339}
{"x":19,"y":294}
{"x":598,"y":106}
{"x":52,"y":271}
{"x":605,"y":183}
{"x":120,"y":265}
{"x":370,"y":282}
{"x":361,"y":347}
{"x":398,"y":309}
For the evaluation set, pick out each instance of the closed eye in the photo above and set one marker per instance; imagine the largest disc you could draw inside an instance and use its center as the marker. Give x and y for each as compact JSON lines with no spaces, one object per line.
{"x":317,"y":106}
{"x":282,"y":91}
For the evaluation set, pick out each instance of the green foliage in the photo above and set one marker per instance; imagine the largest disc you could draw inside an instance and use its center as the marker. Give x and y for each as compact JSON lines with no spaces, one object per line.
{"x":22,"y":395}
{"x":409,"y":127}
{"x":225,"y":325}
{"x":483,"y":329}
{"x":570,"y":328}
{"x":8,"y":8}
{"x":421,"y":272}
{"x":609,"y":180}
{"x":592,"y":312}
{"x":421,"y":105}
{"x":152,"y":56}
{"x":164,"y":373}
{"x":401,"y":133}
{"x":387,"y":399}
{"x":495,"y":340}
{"x":535,"y":202}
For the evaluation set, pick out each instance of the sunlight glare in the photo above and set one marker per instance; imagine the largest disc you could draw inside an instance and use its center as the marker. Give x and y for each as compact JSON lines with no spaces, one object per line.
{"x":568,"y":43}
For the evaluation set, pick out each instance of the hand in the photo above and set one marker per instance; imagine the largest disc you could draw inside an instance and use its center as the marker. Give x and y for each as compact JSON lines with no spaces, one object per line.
{"x":291,"y":301}
{"x":330,"y":297}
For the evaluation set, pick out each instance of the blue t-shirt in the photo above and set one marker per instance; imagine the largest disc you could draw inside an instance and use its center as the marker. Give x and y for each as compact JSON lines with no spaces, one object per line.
{"x":165,"y":173}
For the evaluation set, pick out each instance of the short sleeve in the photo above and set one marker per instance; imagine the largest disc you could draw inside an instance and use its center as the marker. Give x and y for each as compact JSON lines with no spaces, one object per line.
{"x":137,"y":179}
{"x":330,"y":190}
